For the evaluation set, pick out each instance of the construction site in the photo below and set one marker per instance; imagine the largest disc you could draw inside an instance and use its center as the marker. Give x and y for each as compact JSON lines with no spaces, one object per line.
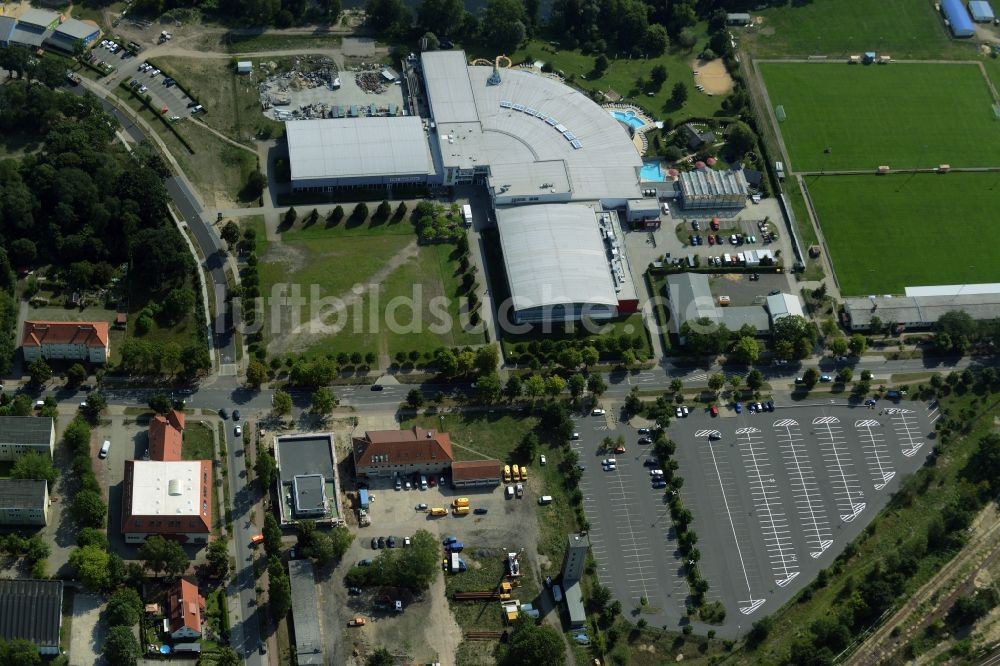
{"x":316,"y":87}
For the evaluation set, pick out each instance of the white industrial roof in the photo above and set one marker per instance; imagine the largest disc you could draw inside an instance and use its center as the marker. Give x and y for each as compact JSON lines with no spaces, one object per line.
{"x":166,"y":488}
{"x":355,"y":147}
{"x":783,"y":305}
{"x":527,"y":118}
{"x":42,"y":18}
{"x":554,"y":255}
{"x":528,"y":179}
{"x":954,"y":289}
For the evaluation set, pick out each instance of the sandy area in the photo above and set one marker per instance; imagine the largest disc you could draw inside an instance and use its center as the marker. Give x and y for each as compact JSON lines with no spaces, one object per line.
{"x":712,"y":75}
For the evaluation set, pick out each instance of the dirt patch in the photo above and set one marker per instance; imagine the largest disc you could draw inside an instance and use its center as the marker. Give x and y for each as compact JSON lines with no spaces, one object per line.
{"x":712,"y":76}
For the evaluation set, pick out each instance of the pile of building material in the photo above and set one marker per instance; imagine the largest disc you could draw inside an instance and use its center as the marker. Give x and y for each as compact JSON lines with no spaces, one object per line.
{"x":371,"y":82}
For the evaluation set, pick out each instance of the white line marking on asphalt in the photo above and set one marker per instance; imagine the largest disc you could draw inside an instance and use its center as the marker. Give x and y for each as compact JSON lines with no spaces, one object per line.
{"x":876,"y":454}
{"x":907,"y":429}
{"x":846,"y":486}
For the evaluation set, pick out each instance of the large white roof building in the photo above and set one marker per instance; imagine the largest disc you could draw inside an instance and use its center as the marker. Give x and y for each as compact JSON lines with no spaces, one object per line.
{"x":167,"y":498}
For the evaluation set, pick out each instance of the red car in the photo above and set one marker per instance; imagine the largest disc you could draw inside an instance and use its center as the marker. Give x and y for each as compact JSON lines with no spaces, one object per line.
{"x":714,"y":410}
{"x":619,"y":449}
{"x":711,"y":239}
{"x":715,"y":223}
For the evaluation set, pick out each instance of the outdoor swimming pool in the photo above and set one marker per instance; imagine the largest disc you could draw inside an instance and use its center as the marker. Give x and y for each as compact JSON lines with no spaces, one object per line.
{"x":652,"y":172}
{"x":629,"y":118}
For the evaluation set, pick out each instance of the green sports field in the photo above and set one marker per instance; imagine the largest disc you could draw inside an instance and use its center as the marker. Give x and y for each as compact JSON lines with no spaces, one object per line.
{"x":843,"y":117}
{"x":889,"y":232}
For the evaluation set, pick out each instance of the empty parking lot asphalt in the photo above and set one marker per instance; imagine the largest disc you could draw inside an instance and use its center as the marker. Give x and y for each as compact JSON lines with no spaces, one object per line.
{"x":779,"y":494}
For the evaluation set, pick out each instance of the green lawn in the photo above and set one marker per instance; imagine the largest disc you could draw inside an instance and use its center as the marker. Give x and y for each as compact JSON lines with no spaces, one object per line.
{"x":198,"y":443}
{"x":622,"y":75}
{"x":492,"y":435}
{"x":889,"y":232}
{"x":338,"y":258}
{"x":901,"y":28}
{"x":900,"y":115}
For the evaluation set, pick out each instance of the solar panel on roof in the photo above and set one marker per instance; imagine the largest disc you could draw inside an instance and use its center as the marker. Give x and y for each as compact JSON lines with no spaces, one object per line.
{"x":530,"y":111}
{"x":539,"y":114}
{"x":576,"y":144}
{"x":519,"y":107}
{"x":505,"y":104}
{"x":561,"y":128}
{"x":569,"y":136}
{"x":552,"y":121}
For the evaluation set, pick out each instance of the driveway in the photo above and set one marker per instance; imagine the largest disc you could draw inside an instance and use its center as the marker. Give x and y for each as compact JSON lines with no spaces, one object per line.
{"x":88,"y":631}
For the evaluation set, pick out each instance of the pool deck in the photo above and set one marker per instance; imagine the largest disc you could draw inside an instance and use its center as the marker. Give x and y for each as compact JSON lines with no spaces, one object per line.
{"x":639,"y":135}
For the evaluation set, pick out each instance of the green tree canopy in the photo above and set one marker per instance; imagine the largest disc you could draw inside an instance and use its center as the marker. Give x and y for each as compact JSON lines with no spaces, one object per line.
{"x":281,"y":403}
{"x":121,"y":647}
{"x":124,"y":608}
{"x":35,"y":466}
{"x":532,"y":643}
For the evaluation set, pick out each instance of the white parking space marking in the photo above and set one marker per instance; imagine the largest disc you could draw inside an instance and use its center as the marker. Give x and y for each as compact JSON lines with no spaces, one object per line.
{"x":767,"y":502}
{"x":846,"y":487}
{"x":904,"y":422}
{"x":870,"y":432}
{"x":748,"y":605}
{"x":632,"y":547}
{"x":805,"y":490}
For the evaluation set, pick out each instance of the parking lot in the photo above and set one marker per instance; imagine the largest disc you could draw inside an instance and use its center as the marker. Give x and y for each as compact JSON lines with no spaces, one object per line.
{"x":631,"y":532}
{"x":172,"y":98}
{"x":779,"y":494}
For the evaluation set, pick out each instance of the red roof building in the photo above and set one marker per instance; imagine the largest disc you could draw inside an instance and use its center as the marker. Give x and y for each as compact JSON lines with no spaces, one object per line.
{"x":400,"y":452}
{"x":471,"y":473}
{"x":169,"y":498}
{"x":66,"y":340}
{"x":186,"y":606}
{"x":166,"y":434}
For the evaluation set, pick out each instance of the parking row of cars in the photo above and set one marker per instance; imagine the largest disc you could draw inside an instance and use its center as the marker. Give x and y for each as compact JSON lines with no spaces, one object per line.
{"x":754,"y":407}
{"x":378,"y":543}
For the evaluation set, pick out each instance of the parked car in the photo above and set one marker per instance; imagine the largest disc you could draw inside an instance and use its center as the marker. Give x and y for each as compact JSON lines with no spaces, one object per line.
{"x":354,"y":591}
{"x":406,"y":542}
{"x":223,"y":414}
{"x":678,"y":412}
{"x":713,"y":410}
{"x":684,"y":410}
{"x":645,"y":440}
{"x":738,"y":407}
{"x":381,"y":542}
{"x":238,"y":431}
{"x":391,"y":542}
{"x":374,"y":543}
{"x":377,"y":387}
{"x":236,"y":415}
{"x":650,"y":462}
{"x":659,"y":483}
{"x":364,"y":563}
{"x":597,"y":412}
{"x":542,"y":460}
{"x":480,"y":511}
{"x":421,"y":507}
{"x":575,"y":436}
{"x":643,"y":431}
{"x":714,"y":436}
{"x":825,"y":378}
{"x":619,"y":449}
{"x":769,"y":406}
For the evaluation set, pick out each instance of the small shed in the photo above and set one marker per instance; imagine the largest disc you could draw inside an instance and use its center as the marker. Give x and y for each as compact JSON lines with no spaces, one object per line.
{"x":738,"y":19}
{"x":981,"y":11}
{"x":958,"y":18}
{"x":870,"y":56}
{"x":244,"y":67}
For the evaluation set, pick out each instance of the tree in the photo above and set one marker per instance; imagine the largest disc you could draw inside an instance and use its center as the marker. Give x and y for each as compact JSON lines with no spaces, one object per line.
{"x":91,"y":564}
{"x":380,"y":657}
{"x":601,"y":64}
{"x":596,"y":385}
{"x":487,"y":359}
{"x":89,"y":509}
{"x":217,"y":557}
{"x":534,"y":386}
{"x":489,"y":389}
{"x":679,"y":94}
{"x":810,"y":377}
{"x":160,"y":403}
{"x":755,"y":379}
{"x":290,"y":216}
{"x":740,"y":139}
{"x":442,"y":17}
{"x":124,"y":608}
{"x":589,"y":356}
{"x":387,"y":15}
{"x":76,"y":374}
{"x":230,"y":233}
{"x":747,"y":350}
{"x":96,"y":403}
{"x":716,"y":381}
{"x":360,"y":212}
{"x":35,"y":466}
{"x":323,"y":401}
{"x":554,"y":385}
{"x":658,"y":75}
{"x":256,"y":182}
{"x":676,"y":385}
{"x":39,"y":371}
{"x":576,"y":384}
{"x":534,"y":644}
{"x":20,"y":652}
{"x":656,"y":41}
{"x":159,"y":554}
{"x":528,"y":445}
{"x":281,"y":403}
{"x":504,"y":24}
{"x":272,"y":535}
{"x":265,"y":467}
{"x":227,"y":656}
{"x":858,"y":344}
{"x":279,"y":593}
{"x":512,"y":390}
{"x":839,"y":345}
{"x":256,"y":373}
{"x":735,"y":381}
{"x":120,"y":647}
{"x":177,"y":305}
{"x":845,"y":375}
{"x":415,"y":398}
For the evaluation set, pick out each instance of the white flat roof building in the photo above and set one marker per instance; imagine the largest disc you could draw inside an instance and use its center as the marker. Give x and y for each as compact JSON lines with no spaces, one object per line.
{"x":499,"y":129}
{"x":167,"y":498}
{"x":338,"y":152}
{"x":558,"y":265}
{"x":783,"y":305}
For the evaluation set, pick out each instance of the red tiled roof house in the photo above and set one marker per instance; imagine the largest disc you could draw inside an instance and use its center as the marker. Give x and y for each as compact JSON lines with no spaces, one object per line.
{"x":186,"y":607}
{"x":66,"y":340}
{"x":391,"y":452}
{"x":166,"y":434}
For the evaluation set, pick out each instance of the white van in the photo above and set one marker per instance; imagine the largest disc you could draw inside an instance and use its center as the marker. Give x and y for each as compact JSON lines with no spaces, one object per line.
{"x":509,"y":492}
{"x":423,"y":482}
{"x":545,"y":499}
{"x":104,"y":449}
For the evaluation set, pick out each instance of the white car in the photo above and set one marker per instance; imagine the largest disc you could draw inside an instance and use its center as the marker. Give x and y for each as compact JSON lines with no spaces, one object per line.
{"x":541,"y":459}
{"x":610,"y":468}
{"x":609,"y":461}
{"x":678,"y":412}
{"x":597,"y":412}
{"x":685,"y":410}
{"x":656,"y":472}
{"x":154,"y":73}
{"x":238,"y":431}
{"x":576,"y":435}
{"x":143,"y":89}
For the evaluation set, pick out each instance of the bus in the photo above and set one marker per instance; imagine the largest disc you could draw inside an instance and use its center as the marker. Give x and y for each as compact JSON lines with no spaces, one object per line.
{"x":467,"y":214}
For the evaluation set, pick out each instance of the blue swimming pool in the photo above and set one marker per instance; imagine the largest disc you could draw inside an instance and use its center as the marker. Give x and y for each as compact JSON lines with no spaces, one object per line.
{"x":652,"y":172}
{"x":629,"y":118}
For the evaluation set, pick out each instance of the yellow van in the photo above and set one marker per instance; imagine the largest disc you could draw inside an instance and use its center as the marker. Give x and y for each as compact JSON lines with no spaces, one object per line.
{"x":524,"y":473}
{"x":462,"y":501}
{"x":439,"y":511}
{"x":506,"y":473}
{"x":461,"y":510}
{"x":516,"y":474}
